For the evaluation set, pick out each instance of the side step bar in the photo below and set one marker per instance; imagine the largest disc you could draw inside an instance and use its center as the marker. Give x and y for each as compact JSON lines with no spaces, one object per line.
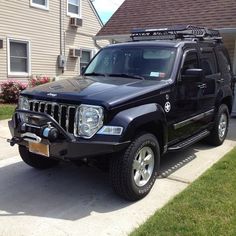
{"x":187,"y":142}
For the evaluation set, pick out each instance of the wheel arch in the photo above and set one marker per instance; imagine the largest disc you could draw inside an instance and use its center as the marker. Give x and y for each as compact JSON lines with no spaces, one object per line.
{"x":228,"y":101}
{"x":155,"y":128}
{"x":148,"y":118}
{"x":225,"y":96}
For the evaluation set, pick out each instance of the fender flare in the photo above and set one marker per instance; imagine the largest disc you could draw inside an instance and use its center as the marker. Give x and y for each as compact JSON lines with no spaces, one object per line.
{"x":134,"y":118}
{"x":222,"y":94}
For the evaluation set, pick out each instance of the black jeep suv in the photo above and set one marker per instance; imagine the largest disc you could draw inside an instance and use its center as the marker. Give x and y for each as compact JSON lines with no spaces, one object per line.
{"x":161,"y":92}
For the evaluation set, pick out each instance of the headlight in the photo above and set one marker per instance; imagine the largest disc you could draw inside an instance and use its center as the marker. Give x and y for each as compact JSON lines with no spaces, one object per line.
{"x":23,"y":103}
{"x":90,"y":120}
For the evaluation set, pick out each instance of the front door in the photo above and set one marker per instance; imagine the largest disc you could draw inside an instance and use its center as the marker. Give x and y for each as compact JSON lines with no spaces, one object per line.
{"x":186,"y":110}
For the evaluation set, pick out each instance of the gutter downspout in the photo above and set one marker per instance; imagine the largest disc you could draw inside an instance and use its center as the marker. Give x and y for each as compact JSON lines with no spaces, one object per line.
{"x":61,"y":49}
{"x":61,"y":57}
{"x":95,"y":43}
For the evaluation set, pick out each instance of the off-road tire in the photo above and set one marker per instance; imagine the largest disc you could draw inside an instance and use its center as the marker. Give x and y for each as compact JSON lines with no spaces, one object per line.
{"x":121,"y":168}
{"x":36,"y":161}
{"x":214,"y":138}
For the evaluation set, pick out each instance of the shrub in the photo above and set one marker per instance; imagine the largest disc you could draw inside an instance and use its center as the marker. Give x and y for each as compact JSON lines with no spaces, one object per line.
{"x":38,"y":80}
{"x":10,"y":91}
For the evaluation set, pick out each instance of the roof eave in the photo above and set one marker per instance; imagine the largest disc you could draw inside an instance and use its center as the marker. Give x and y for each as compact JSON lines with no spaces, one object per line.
{"x":227,"y":30}
{"x":96,"y":13}
{"x":117,"y":37}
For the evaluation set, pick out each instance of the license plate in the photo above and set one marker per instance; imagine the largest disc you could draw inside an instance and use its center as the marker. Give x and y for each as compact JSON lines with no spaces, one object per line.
{"x":39,"y":148}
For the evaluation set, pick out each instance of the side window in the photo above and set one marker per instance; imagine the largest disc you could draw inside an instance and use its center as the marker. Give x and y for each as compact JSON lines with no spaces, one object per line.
{"x":208,"y":62}
{"x":191,"y":61}
{"x":224,"y":62}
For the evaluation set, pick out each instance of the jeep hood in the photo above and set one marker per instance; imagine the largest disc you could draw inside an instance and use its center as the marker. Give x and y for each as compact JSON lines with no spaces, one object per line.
{"x":95,"y":90}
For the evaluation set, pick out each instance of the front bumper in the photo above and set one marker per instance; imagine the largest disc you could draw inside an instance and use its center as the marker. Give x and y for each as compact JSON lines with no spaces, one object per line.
{"x":66,"y":146}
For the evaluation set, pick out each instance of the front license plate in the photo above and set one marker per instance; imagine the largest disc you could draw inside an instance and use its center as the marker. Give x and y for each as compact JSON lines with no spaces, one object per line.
{"x":39,"y":148}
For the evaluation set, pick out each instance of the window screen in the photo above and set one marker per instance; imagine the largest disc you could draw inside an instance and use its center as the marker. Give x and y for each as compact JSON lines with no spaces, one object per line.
{"x":40,"y":2}
{"x":18,"y":57}
{"x":74,"y":7}
{"x":84,"y":59}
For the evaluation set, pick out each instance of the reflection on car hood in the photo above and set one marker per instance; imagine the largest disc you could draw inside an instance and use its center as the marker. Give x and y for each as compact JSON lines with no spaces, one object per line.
{"x":107,"y":91}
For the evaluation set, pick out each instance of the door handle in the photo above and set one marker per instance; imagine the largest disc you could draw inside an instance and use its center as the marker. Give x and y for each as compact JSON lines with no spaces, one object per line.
{"x":221,"y":80}
{"x":202,"y":86}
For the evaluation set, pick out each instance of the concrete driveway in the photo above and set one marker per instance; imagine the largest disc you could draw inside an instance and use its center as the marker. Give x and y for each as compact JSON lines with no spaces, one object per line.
{"x":68,"y":200}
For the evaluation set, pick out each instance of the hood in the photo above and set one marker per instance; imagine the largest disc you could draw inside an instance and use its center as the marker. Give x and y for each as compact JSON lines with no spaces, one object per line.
{"x":95,"y":90}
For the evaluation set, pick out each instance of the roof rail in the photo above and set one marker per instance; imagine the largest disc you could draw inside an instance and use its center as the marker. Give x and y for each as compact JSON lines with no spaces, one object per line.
{"x":177,"y":32}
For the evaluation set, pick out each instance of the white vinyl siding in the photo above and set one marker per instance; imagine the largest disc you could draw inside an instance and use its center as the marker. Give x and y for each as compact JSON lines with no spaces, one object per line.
{"x":42,"y":4}
{"x":19,"y":61}
{"x":74,"y":8}
{"x":42,"y":29}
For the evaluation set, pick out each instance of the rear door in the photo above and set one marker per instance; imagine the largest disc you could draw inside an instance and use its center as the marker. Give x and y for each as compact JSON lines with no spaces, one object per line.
{"x":224,"y":66}
{"x":209,"y":85}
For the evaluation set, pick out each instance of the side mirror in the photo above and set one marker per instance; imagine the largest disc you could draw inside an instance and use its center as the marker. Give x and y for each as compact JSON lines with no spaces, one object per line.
{"x":192,"y":74}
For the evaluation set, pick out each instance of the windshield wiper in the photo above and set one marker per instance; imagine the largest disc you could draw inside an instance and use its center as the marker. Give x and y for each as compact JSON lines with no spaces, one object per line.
{"x":127,"y":75}
{"x":94,"y":74}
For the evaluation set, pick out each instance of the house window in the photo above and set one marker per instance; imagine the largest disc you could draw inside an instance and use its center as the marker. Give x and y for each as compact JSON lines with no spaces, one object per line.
{"x":18,"y":58}
{"x":42,"y":4}
{"x":74,"y":8}
{"x":85,"y":58}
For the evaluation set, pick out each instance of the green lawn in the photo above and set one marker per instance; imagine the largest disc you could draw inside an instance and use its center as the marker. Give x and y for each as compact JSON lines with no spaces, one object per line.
{"x":207,"y":207}
{"x":6,"y":111}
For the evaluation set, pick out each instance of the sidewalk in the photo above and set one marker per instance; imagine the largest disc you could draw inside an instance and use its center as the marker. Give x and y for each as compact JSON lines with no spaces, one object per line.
{"x":67,"y":200}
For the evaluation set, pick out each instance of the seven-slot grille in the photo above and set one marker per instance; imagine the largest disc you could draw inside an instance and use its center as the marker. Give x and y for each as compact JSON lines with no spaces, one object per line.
{"x":64,"y":114}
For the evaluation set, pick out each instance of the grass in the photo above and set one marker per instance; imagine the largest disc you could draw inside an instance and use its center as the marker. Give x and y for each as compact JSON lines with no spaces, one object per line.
{"x":207,"y":207}
{"x":6,"y":111}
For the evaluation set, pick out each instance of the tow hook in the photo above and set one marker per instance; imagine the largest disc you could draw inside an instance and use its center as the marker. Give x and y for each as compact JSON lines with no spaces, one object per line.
{"x":14,"y":141}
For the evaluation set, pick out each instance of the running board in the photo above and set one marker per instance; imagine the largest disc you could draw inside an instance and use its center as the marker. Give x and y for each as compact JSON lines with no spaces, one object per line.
{"x":188,"y":142}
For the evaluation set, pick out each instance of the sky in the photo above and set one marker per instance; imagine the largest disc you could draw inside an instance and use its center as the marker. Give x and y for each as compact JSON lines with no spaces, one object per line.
{"x":106,"y":8}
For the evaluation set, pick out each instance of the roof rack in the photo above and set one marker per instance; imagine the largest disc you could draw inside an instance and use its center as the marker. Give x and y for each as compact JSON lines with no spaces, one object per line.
{"x":189,"y":32}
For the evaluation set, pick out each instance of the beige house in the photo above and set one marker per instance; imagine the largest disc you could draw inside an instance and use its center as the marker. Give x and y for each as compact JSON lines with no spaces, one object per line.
{"x":46,"y":37}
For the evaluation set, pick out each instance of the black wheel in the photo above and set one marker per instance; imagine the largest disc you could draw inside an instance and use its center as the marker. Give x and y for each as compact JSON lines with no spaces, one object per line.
{"x":220,"y":129}
{"x":134,"y":172}
{"x":36,"y":161}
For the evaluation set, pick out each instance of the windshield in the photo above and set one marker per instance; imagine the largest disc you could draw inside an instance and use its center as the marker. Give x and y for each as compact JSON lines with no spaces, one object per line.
{"x":154,"y":63}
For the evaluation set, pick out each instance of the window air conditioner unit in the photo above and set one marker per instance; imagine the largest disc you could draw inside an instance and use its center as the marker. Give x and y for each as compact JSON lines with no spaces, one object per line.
{"x":76,"y":22}
{"x":74,"y":52}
